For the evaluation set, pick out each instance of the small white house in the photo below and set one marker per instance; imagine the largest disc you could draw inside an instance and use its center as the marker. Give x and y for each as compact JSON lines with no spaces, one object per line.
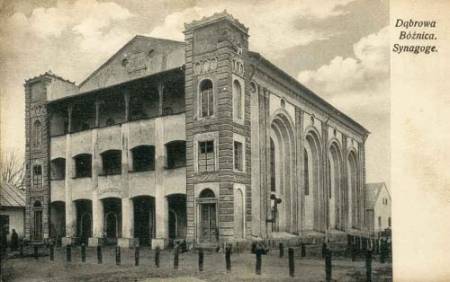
{"x":12,"y":209}
{"x":378,"y":207}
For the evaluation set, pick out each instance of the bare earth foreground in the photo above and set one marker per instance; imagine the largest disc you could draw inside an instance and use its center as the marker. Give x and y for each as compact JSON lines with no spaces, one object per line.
{"x":243,"y":268}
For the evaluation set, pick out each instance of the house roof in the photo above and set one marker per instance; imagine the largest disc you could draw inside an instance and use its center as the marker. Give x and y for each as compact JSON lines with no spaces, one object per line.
{"x":372,"y":192}
{"x":11,"y":196}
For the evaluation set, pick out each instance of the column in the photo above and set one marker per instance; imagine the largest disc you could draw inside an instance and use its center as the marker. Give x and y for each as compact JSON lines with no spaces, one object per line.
{"x":97,"y":221}
{"x":70,"y":205}
{"x":161,"y":202}
{"x":300,"y":169}
{"x":325,"y":182}
{"x":127,"y":239}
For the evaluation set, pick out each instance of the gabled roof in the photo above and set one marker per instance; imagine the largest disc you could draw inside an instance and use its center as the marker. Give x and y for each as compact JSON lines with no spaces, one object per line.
{"x":372,"y":192}
{"x":148,"y":39}
{"x":11,"y":196}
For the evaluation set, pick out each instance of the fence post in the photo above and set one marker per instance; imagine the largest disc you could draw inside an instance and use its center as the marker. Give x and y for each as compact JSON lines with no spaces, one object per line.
{"x":157,"y":254}
{"x":303,"y":250}
{"x":36,"y":252}
{"x":68,"y":253}
{"x":324,"y":249}
{"x":175,"y":259}
{"x":117,"y":255}
{"x":328,"y":266}
{"x":136,"y":256}
{"x":52,"y":252}
{"x":200,"y":259}
{"x":99,"y":255}
{"x":369,"y":265}
{"x":258,"y":261}
{"x":21,"y":249}
{"x":291,"y":262}
{"x":83,"y":253}
{"x":228,"y":257}
{"x":281,"y":247}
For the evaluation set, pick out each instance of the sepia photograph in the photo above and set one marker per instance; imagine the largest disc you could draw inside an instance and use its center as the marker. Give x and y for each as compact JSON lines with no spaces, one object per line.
{"x":195,"y":140}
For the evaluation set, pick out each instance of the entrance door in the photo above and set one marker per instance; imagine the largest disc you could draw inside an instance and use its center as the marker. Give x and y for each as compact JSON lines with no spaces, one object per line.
{"x":208,"y":222}
{"x":86,"y":227}
{"x":111,"y":226}
{"x":38,"y":225}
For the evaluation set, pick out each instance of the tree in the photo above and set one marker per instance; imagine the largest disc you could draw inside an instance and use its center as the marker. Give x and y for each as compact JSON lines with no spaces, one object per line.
{"x":12,"y":170}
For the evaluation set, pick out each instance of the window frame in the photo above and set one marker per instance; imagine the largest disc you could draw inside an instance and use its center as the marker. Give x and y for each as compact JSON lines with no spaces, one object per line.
{"x":37,"y":134}
{"x":210,"y":100}
{"x":111,"y":154}
{"x":239,"y":139}
{"x":88,"y":173}
{"x":171,"y":147}
{"x":238,"y":117}
{"x":202,"y":137}
{"x":37,"y":177}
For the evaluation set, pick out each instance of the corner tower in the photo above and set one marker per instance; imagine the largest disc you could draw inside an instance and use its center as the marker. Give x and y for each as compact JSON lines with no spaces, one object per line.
{"x":217,"y":130}
{"x":37,"y":158}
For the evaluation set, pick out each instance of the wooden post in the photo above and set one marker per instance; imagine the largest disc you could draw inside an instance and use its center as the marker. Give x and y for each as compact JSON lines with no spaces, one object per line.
{"x":21,"y":249}
{"x":258,"y":262}
{"x":117,"y":255}
{"x":291,"y":262}
{"x":176,"y":257}
{"x":281,"y":247}
{"x":303,"y":250}
{"x":369,"y":265}
{"x":328,"y":265}
{"x":136,"y":256}
{"x":228,"y":258}
{"x":52,"y":252}
{"x":99,"y":255}
{"x":83,"y":253}
{"x":68,"y":253}
{"x":157,"y":254}
{"x":200,"y":259}
{"x":36,"y":251}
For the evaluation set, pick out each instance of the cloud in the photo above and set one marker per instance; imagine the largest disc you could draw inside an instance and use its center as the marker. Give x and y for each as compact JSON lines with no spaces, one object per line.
{"x":272,"y":23}
{"x":369,"y":66}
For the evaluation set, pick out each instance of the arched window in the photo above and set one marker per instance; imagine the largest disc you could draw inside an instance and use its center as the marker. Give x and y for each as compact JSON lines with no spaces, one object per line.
{"x":306,"y":172}
{"x":176,"y":154}
{"x":83,"y":165}
{"x":112,"y":162}
{"x":58,"y":169}
{"x":143,"y":158}
{"x":37,"y":176}
{"x":272,"y":166}
{"x":237,"y":99}
{"x":207,"y":193}
{"x":37,"y":131}
{"x":206,"y":98}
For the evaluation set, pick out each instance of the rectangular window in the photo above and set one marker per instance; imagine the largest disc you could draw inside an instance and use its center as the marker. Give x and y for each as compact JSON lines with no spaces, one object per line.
{"x":206,"y":158}
{"x":37,"y":176}
{"x":238,"y":159}
{"x":83,"y":165}
{"x":112,"y":162}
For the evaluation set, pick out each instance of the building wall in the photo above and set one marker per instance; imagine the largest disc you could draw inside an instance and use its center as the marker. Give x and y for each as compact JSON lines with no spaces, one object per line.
{"x":382,"y":211}
{"x":16,"y":220}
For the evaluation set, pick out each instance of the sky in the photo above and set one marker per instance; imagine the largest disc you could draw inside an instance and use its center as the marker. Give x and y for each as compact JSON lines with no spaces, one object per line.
{"x":337,"y":48}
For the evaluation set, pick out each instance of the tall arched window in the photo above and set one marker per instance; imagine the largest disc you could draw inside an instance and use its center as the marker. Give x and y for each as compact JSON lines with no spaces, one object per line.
{"x":237,"y":99}
{"x":306,"y":172}
{"x":37,"y":131}
{"x":272,"y":166}
{"x":206,"y":98}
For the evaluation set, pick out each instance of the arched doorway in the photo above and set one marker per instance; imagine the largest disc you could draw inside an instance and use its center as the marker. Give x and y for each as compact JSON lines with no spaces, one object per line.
{"x":58,"y":220}
{"x":144,"y":219}
{"x":336,"y":192}
{"x":208,"y":217}
{"x":314,"y":196}
{"x":84,"y":220}
{"x":282,"y":160}
{"x":37,"y":214}
{"x":112,"y":208}
{"x":177,"y":216}
{"x":353,"y":189}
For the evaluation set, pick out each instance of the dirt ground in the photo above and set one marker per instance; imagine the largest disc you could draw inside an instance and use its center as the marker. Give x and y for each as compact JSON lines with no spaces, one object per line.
{"x":243,"y":268}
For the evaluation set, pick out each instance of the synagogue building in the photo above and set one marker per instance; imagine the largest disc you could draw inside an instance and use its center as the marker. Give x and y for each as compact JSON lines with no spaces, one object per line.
{"x":203,"y":140}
